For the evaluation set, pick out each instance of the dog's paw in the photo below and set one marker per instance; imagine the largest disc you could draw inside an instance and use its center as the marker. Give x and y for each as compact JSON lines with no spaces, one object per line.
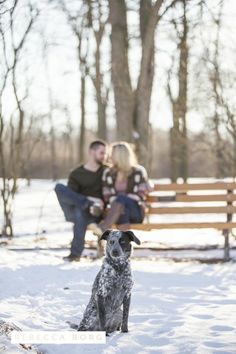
{"x":124,"y":329}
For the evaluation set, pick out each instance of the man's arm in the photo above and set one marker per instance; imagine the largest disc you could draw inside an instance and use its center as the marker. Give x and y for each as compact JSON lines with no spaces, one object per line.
{"x":97,"y":201}
{"x":74,"y":184}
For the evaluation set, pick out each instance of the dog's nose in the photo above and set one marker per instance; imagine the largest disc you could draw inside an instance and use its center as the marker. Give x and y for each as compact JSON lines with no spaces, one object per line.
{"x":115,"y":253}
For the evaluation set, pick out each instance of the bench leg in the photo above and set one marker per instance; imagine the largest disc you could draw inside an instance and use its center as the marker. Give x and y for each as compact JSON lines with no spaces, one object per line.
{"x":226,"y":245}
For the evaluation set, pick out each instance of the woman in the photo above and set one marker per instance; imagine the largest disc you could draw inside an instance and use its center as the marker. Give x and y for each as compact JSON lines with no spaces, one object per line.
{"x":125,"y":186}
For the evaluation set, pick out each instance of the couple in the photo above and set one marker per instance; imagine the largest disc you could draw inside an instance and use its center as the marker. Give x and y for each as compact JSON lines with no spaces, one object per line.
{"x":100,"y":195}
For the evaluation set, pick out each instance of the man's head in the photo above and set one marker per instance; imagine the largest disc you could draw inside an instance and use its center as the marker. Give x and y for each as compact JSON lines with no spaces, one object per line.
{"x":97,"y":151}
{"x":119,"y":243}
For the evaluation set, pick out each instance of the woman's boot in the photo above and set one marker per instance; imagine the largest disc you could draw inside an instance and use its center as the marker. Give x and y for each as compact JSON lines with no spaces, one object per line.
{"x":111,"y":218}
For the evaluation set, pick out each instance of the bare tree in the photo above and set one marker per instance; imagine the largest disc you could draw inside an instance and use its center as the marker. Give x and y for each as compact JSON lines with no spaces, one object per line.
{"x":51,"y":109}
{"x":78,"y":22}
{"x":98,"y":24}
{"x":178,"y":132}
{"x":124,"y":97}
{"x":133,"y":105}
{"x":68,"y":159}
{"x":217,"y":81}
{"x":215,"y":78}
{"x":11,"y":160}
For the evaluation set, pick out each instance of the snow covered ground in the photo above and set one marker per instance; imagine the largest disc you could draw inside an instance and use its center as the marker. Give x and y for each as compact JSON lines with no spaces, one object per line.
{"x":177,"y":307}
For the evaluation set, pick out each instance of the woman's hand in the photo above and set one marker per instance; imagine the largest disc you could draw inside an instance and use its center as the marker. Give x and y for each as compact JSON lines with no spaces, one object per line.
{"x":134,"y":196}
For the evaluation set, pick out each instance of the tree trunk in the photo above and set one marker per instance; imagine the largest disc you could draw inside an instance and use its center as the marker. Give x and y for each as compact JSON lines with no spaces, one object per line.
{"x":82,"y":121}
{"x":7,"y":229}
{"x":175,"y":148}
{"x":133,"y":106}
{"x":216,"y":118}
{"x":234,"y":156}
{"x":124,"y":100}
{"x":178,"y":133}
{"x":183,"y":91}
{"x":145,"y":82}
{"x":101,"y":101}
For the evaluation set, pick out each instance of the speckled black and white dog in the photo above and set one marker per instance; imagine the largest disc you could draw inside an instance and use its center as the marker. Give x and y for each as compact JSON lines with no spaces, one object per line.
{"x":112,"y":286}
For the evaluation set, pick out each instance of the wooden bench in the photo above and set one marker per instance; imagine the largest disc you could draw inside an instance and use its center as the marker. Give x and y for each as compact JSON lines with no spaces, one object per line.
{"x":192,"y":193}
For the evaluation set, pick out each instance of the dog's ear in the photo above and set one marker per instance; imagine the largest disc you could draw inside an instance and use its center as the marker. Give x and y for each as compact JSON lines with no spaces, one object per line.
{"x":133,"y":237}
{"x":105,"y":235}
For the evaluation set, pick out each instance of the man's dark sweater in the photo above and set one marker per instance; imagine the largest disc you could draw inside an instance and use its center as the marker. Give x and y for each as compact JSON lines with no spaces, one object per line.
{"x":87,"y":182}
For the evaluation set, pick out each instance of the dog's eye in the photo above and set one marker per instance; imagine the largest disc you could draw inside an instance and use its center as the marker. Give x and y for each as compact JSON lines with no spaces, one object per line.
{"x":111,"y":242}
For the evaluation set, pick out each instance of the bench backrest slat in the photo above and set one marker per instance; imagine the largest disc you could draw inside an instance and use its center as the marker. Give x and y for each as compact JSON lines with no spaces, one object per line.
{"x":192,"y":198}
{"x":183,"y":187}
{"x":193,"y":210}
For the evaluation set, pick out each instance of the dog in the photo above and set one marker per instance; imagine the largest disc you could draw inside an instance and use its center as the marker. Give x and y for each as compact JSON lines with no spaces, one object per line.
{"x":112,"y":286}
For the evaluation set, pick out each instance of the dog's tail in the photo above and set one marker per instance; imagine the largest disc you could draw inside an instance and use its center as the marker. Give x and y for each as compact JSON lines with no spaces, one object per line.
{"x":73,"y":325}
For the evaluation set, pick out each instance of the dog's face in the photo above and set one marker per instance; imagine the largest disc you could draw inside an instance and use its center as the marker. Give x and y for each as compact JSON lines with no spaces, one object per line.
{"x":119,"y":243}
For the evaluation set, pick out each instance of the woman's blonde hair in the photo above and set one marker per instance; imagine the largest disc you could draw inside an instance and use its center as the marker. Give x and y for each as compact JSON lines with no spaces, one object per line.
{"x":123,"y":157}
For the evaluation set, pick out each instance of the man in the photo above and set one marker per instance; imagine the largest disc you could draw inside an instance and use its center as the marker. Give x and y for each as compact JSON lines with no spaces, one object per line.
{"x":81,"y":200}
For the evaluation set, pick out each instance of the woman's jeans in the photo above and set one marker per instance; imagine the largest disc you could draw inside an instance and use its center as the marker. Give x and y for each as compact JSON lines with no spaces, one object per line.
{"x":76,"y":209}
{"x":132,"y":210}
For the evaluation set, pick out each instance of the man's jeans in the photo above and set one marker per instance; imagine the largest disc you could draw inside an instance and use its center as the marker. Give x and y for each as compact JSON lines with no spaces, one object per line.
{"x":76,"y":209}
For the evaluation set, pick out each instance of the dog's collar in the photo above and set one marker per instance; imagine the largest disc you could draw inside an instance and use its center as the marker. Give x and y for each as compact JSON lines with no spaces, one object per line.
{"x":118,"y":265}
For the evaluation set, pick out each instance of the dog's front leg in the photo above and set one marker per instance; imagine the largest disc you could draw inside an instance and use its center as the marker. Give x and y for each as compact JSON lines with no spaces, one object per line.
{"x":101,"y":313}
{"x":126,"y":304}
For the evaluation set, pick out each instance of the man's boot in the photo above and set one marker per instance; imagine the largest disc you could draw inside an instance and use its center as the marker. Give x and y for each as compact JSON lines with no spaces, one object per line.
{"x":100,"y":249}
{"x":72,"y":258}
